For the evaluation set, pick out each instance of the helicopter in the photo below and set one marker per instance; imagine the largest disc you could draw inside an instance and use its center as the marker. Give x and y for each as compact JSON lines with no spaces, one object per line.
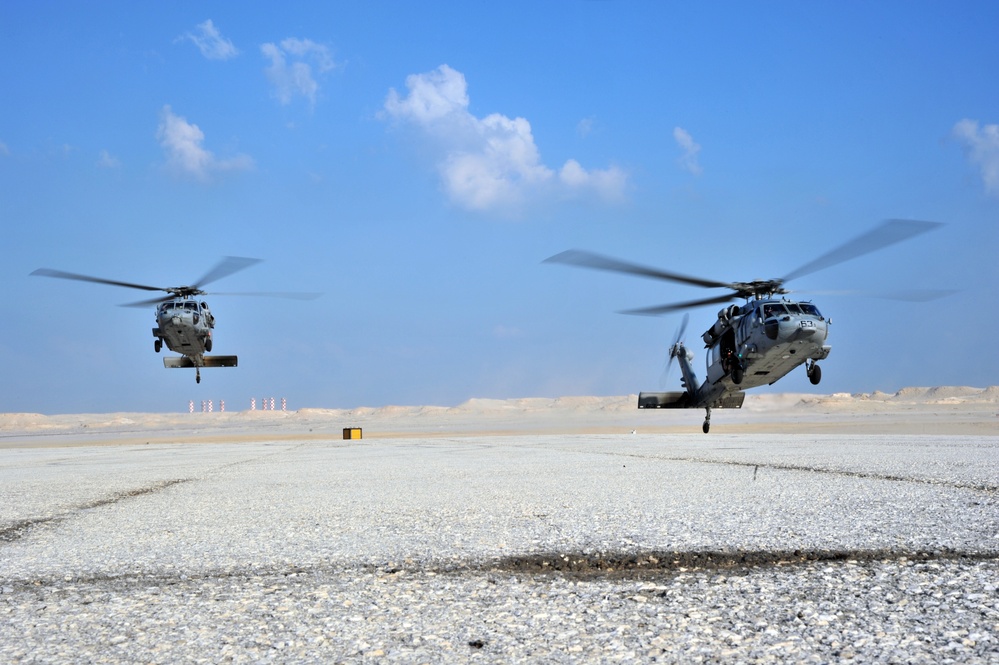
{"x":756,"y":343}
{"x":184,"y":322}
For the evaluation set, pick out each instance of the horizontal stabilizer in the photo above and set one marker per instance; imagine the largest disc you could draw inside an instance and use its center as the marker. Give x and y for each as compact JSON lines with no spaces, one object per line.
{"x":730,"y":400}
{"x":678,"y":400}
{"x":207,"y":361}
{"x":681,"y":400}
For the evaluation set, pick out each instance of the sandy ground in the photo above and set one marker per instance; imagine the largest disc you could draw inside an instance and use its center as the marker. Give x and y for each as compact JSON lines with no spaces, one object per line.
{"x":814,"y":528}
{"x":939,"y":410}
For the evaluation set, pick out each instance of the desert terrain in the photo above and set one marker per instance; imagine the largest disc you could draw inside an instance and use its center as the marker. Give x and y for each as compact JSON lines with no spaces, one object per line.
{"x":845,"y":527}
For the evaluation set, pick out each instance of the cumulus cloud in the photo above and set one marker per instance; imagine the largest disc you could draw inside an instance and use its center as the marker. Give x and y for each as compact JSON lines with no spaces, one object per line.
{"x":688,"y":160}
{"x":185,"y":155}
{"x":210,"y":42}
{"x":491,"y":162}
{"x":295,"y":63}
{"x":981,"y":147}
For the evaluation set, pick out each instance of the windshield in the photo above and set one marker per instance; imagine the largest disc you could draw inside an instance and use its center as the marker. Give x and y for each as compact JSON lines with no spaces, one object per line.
{"x":810,"y":309}
{"x":773,"y":309}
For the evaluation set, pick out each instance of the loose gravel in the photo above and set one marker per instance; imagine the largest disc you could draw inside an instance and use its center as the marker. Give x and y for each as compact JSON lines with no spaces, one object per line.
{"x":602,"y":548}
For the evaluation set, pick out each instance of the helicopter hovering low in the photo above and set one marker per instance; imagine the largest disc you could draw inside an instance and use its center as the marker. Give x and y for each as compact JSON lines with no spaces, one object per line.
{"x":756,"y":343}
{"x":183,"y":321}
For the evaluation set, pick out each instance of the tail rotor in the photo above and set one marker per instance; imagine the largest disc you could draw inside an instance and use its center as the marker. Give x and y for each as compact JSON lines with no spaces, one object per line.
{"x":674,"y":349}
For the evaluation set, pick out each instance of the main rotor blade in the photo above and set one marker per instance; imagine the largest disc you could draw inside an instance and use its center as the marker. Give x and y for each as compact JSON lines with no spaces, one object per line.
{"x":577,"y":257}
{"x":887,"y":233}
{"x":147,"y":303}
{"x":224,"y":268}
{"x":666,"y":309}
{"x":292,"y":295}
{"x":46,"y":272}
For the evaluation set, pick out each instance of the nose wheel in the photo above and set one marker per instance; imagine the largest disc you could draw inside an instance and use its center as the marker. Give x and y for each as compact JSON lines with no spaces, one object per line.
{"x":707,"y":420}
{"x":197,"y":375}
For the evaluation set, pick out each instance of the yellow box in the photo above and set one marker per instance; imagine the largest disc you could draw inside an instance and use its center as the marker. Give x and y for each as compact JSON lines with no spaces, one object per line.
{"x":351,"y":433}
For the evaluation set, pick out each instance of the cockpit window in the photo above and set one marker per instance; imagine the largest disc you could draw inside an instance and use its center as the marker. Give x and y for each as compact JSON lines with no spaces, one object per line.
{"x":810,"y":309}
{"x":191,"y":305}
{"x":773,"y":309}
{"x":792,"y":307}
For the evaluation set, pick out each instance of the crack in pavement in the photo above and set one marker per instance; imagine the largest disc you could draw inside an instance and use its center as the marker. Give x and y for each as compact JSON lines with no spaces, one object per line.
{"x":777,"y":466}
{"x":581,"y":566}
{"x":978,"y":487}
{"x":19,"y":529}
{"x":666,"y":562}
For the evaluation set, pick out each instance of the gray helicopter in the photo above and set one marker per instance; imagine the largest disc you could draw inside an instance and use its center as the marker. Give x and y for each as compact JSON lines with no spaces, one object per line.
{"x":183,"y":321}
{"x":756,"y":343}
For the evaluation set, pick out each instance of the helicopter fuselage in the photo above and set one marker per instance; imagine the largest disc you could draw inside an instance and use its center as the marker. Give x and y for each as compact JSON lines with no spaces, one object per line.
{"x":765,"y":339}
{"x":185,"y":326}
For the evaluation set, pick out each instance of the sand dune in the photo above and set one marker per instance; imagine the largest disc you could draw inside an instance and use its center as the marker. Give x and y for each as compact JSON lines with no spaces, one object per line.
{"x":944,"y":409}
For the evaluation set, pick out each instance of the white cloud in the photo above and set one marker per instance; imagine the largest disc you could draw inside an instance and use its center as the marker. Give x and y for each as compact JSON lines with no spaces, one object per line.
{"x":981,"y":147}
{"x":493,"y":162}
{"x":107,"y":161}
{"x":185,"y":155}
{"x":291,"y":69}
{"x":688,"y":161}
{"x":210,"y":42}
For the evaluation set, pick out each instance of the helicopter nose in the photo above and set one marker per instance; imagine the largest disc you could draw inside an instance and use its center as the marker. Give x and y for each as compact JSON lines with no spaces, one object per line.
{"x":808,"y":329}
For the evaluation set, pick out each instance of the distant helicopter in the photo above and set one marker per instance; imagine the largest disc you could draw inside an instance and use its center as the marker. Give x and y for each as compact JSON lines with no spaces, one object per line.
{"x":756,"y":343}
{"x":182,"y":321}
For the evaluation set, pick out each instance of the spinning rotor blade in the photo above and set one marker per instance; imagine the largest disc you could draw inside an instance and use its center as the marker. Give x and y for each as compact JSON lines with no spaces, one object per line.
{"x":290,"y":295}
{"x":147,"y":303}
{"x":224,"y":268}
{"x":666,"y":309}
{"x":46,"y":272}
{"x":576,"y":257}
{"x":888,"y":233}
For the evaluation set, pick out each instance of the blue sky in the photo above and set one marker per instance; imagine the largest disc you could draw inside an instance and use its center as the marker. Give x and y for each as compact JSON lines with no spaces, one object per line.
{"x":416,"y":164}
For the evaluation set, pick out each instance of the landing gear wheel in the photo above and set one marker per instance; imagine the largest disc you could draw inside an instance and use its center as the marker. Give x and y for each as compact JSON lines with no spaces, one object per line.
{"x":737,"y":375}
{"x":197,"y":376}
{"x":706,"y":426}
{"x":208,"y":345}
{"x":815,"y":374}
{"x":157,"y":345}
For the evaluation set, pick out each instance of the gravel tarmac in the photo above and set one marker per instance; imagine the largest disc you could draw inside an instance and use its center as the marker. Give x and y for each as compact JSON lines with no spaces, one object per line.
{"x":499,"y":549}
